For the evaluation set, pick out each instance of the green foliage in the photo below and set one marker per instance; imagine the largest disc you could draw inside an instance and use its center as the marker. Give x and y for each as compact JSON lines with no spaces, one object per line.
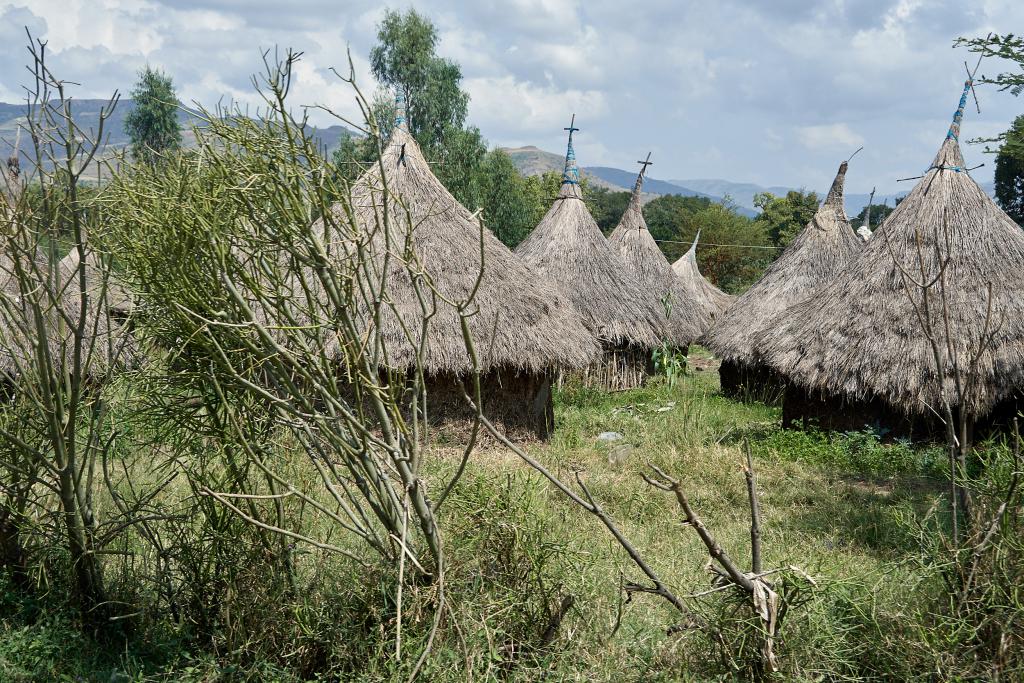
{"x":675,"y":220}
{"x":607,"y":207}
{"x":512,"y":204}
{"x":459,"y":159}
{"x":784,"y":217}
{"x":1008,"y":47}
{"x":879,"y":212}
{"x":670,"y":362}
{"x":862,"y":453}
{"x":1009,"y":176}
{"x":405,"y":59}
{"x":733,"y":268}
{"x":671,"y":217}
{"x":153,"y":125}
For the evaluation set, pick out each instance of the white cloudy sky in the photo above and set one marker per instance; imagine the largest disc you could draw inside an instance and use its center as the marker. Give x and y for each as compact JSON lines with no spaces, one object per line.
{"x":775,"y":93}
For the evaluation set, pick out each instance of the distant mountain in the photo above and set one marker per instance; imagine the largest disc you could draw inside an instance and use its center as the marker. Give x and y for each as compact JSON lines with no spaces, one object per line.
{"x":743,"y":193}
{"x":87,"y":115}
{"x":532,"y":160}
{"x":535,"y":161}
{"x":626,"y":179}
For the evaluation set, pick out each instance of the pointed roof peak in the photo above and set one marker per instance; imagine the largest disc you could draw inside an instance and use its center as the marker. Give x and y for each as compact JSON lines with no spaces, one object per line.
{"x":692,"y":252}
{"x":635,"y":198}
{"x":834,"y":199}
{"x":950,"y":157}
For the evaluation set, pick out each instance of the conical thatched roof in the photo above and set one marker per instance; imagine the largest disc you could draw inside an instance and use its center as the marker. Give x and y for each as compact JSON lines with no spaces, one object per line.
{"x":522,"y":320}
{"x":568,"y":247}
{"x":860,"y":337}
{"x":812,"y":259}
{"x":687,"y":270}
{"x":107,"y":340}
{"x":119,"y":300}
{"x":689,"y":315}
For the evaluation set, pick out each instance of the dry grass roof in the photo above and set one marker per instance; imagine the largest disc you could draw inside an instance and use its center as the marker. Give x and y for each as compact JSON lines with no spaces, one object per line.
{"x":860,"y":337}
{"x":521,"y":320}
{"x":689,"y":315}
{"x":712,"y":298}
{"x":814,"y":258}
{"x":119,"y":299}
{"x":568,"y":247}
{"x":107,"y":339}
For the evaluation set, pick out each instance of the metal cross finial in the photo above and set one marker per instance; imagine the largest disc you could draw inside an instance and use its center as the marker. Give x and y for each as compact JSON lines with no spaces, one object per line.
{"x":645,"y":163}
{"x":572,"y":126}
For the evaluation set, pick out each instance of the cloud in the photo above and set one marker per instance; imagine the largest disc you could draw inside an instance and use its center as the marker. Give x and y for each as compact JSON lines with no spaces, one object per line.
{"x":680,"y":77}
{"x":831,"y":136}
{"x":504,"y":102}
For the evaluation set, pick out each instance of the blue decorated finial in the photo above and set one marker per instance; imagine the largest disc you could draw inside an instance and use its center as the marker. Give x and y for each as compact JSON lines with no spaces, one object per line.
{"x":571,"y":174}
{"x":958,"y":116}
{"x":400,"y":117}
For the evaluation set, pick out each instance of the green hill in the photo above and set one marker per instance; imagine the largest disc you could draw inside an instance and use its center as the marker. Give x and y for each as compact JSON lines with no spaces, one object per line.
{"x":87,"y":115}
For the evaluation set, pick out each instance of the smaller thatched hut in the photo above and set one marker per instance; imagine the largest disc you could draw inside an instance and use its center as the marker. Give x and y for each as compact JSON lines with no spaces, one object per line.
{"x":689,"y":314}
{"x":102,"y":283}
{"x":568,"y":248}
{"x":523,"y":327}
{"x":687,"y":270}
{"x":108,"y":344}
{"x":812,"y":259}
{"x":856,"y":353}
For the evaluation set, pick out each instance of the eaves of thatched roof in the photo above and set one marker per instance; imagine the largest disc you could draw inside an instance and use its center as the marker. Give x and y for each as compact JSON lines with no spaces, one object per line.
{"x":689,"y":314}
{"x":520,"y":319}
{"x":861,"y":336}
{"x":814,"y":258}
{"x":568,"y":247}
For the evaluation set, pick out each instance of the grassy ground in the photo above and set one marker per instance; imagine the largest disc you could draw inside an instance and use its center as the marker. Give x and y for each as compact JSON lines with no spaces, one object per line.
{"x":838,"y":507}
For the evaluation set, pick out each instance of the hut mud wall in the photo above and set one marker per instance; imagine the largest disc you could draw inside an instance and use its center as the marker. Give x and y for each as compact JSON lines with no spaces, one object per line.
{"x":802,"y":408}
{"x":518,"y":403}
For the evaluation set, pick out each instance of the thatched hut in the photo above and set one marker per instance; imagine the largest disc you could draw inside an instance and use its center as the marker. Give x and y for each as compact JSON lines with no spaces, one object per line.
{"x":107,"y":341}
{"x":812,"y":259}
{"x":522,"y":327}
{"x":568,"y":247}
{"x":102,"y":284}
{"x":856,"y":354}
{"x":689,"y":314}
{"x":687,"y":270}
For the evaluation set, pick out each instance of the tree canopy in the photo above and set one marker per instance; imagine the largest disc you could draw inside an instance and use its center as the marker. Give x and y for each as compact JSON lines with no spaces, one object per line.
{"x":784,"y":217}
{"x":152,"y":126}
{"x":879,"y":212}
{"x":607,"y":206}
{"x":1009,"y":176}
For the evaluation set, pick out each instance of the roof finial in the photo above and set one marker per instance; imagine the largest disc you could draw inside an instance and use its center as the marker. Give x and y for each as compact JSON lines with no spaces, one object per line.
{"x":400,"y":117}
{"x":958,"y":115}
{"x":571,"y":174}
{"x":643,"y":169}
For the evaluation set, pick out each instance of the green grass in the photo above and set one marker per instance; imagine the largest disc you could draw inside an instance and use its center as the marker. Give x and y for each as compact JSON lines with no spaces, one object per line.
{"x":837,"y":506}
